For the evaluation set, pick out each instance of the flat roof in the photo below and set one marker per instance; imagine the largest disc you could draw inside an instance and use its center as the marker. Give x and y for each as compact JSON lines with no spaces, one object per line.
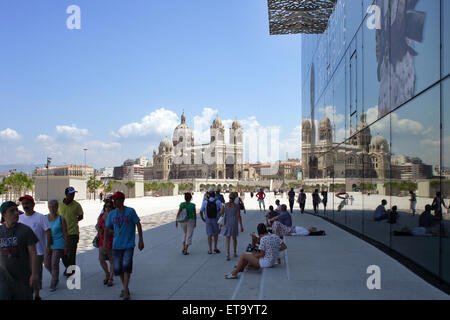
{"x":299,"y":16}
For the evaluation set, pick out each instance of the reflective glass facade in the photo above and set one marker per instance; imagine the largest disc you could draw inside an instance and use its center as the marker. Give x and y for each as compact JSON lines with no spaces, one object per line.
{"x":376,"y":123}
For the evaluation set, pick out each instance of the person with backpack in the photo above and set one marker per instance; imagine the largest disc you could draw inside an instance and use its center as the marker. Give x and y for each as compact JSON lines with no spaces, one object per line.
{"x":189,"y":224}
{"x":209,"y":213}
{"x":302,"y":200}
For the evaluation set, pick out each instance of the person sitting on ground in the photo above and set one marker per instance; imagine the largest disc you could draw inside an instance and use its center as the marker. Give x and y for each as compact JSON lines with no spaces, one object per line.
{"x":428,"y":221}
{"x":277,"y":203}
{"x":392,"y":215}
{"x":269,"y":248}
{"x":284,"y":217}
{"x":271,"y":214}
{"x":380,"y":212}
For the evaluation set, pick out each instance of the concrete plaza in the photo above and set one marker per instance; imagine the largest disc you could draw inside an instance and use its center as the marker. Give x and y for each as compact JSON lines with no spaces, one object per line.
{"x":330,"y":267}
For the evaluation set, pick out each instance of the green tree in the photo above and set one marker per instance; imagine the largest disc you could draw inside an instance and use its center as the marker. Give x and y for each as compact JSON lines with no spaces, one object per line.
{"x":107,"y":187}
{"x":93,"y":184}
{"x":130,"y":185}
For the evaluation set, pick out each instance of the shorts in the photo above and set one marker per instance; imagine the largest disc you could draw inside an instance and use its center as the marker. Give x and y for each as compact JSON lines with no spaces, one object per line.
{"x":105,"y":254}
{"x":264,"y":263}
{"x":123,"y":261}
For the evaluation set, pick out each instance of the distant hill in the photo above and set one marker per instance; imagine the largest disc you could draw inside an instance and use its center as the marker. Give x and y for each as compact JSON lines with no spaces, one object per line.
{"x":27,"y":168}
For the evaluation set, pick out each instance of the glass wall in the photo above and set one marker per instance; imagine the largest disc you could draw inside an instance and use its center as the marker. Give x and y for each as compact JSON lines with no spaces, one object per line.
{"x":373,"y":106}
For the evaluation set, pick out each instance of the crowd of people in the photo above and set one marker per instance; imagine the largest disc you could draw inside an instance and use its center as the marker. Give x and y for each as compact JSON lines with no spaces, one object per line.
{"x":30,"y":241}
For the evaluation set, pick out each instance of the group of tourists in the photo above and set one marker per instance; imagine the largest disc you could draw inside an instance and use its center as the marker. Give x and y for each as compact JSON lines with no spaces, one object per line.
{"x":429,"y":223}
{"x":219,"y":216}
{"x":30,"y":241}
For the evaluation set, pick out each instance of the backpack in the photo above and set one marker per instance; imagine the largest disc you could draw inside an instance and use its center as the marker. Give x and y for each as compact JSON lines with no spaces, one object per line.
{"x":211,"y":210}
{"x":302,"y":197}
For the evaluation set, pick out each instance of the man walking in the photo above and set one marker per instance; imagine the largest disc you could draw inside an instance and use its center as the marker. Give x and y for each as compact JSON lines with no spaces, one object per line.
{"x":413,"y":201}
{"x":209,"y":212}
{"x":18,"y":262}
{"x":302,"y":200}
{"x":324,"y":194}
{"x":41,"y":228}
{"x":72,"y":212}
{"x":123,"y":220}
{"x":291,"y":195}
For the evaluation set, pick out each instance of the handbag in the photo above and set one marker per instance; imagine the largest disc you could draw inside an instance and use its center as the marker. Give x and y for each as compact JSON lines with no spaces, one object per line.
{"x":183,"y":217}
{"x":95,"y":241}
{"x":221,"y":220}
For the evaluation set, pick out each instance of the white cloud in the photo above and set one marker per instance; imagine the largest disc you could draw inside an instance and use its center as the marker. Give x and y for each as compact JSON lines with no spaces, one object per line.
{"x":43,"y":138}
{"x":330,"y":112}
{"x":9,"y":135}
{"x":160,"y":123}
{"x":293,"y":144}
{"x":70,"y":133}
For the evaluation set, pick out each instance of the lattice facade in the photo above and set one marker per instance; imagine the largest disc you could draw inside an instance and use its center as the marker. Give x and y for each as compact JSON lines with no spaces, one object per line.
{"x":299,"y":16}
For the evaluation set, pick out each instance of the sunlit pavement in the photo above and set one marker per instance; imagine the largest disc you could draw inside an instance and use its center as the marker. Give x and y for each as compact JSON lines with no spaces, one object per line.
{"x":330,"y":267}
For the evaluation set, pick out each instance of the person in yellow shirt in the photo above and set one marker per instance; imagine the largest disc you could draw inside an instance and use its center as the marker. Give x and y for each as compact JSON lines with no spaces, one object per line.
{"x":72,"y":212}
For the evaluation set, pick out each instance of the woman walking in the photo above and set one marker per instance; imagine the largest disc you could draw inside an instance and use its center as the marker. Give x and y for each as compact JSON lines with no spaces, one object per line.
{"x":233,"y":219}
{"x":58,"y":248}
{"x":105,"y":252}
{"x":189,"y":225}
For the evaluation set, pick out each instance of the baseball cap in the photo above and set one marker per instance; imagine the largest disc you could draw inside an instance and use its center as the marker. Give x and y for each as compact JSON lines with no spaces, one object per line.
{"x":6,"y":205}
{"x":26,"y":197}
{"x":70,"y":190}
{"x":118,"y":195}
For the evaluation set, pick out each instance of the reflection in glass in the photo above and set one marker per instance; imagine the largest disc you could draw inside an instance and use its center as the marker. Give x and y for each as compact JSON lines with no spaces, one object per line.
{"x":446,"y":37}
{"x":376,"y":179}
{"x":415,"y":153}
{"x":445,"y":180}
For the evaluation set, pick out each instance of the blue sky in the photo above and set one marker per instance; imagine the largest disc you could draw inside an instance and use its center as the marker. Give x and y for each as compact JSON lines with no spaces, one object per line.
{"x":134,"y":65}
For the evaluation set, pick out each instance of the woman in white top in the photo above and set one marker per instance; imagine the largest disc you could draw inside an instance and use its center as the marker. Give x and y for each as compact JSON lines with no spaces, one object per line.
{"x":269,"y":248}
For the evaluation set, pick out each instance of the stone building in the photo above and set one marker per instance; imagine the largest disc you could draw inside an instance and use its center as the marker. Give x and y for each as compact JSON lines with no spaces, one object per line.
{"x":181,"y":158}
{"x":362,"y":156}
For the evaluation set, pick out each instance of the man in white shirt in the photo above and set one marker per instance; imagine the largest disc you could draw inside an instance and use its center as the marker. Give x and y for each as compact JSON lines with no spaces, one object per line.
{"x":41,"y":228}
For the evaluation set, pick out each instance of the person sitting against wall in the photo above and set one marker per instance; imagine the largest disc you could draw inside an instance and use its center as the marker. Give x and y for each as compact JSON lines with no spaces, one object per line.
{"x":271,"y":214}
{"x":380,"y":212}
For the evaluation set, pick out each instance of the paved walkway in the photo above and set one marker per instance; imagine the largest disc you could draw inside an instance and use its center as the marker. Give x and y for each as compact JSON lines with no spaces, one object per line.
{"x":330,"y":267}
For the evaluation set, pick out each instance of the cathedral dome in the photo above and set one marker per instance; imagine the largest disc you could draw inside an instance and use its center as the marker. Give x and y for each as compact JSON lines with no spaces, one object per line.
{"x":306,"y":125}
{"x":217,"y":124}
{"x":165,"y":144}
{"x":379,"y":143}
{"x":183,"y":132}
{"x":236,"y":125}
{"x":325,"y":123}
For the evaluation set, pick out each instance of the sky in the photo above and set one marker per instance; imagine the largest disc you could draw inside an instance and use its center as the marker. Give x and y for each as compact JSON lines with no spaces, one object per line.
{"x":119,"y":84}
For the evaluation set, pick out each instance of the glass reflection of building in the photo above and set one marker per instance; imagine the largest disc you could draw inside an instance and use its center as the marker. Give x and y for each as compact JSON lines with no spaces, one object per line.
{"x":375,"y":119}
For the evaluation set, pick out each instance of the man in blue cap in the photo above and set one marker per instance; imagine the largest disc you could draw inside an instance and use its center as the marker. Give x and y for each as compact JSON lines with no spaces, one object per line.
{"x":18,"y":261}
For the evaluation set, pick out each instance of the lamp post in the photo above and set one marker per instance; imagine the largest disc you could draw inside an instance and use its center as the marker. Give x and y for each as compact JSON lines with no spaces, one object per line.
{"x":85,"y":149}
{"x":49,"y":161}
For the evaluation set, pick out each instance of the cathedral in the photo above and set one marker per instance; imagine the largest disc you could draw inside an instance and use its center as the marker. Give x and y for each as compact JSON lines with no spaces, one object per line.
{"x":362,"y":156}
{"x":181,"y":158}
